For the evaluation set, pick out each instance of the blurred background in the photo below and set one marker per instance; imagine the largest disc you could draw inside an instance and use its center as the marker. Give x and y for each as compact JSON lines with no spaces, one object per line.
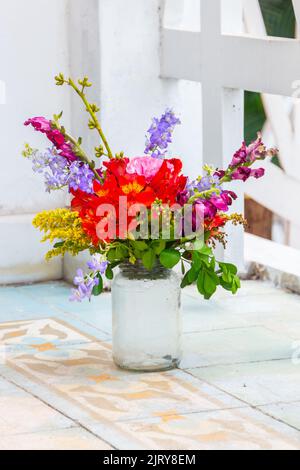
{"x":119,"y":46}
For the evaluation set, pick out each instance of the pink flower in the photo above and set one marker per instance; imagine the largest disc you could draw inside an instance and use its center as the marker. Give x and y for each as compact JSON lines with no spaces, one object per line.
{"x":144,"y":166}
{"x":242,"y":173}
{"x":40,"y":124}
{"x":220,"y":203}
{"x":56,"y":137}
{"x":43,"y":125}
{"x":258,"y":173}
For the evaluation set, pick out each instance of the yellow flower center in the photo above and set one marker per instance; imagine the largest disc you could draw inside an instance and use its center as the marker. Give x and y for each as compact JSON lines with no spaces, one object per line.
{"x":133,"y":187}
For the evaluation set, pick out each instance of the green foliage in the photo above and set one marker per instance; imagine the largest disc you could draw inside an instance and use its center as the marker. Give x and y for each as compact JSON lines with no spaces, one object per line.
{"x":208,"y":274}
{"x":149,"y":259}
{"x":169,"y":258}
{"x":97,"y":290}
{"x":109,"y":273}
{"x":28,"y":151}
{"x":279,"y":17}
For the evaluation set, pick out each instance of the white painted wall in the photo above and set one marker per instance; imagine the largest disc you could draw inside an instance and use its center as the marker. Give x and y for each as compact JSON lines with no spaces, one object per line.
{"x":131,"y":90}
{"x":33,"y":47}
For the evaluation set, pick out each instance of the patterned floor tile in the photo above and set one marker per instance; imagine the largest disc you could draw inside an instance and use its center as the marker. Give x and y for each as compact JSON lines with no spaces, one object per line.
{"x":61,"y":352}
{"x":244,"y":429}
{"x":86,"y":375}
{"x":39,"y":335}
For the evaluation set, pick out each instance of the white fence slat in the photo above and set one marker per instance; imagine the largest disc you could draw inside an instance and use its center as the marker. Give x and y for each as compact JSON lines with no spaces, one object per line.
{"x":276,"y":111}
{"x":269,"y":192}
{"x":270,"y":64}
{"x":181,"y":57}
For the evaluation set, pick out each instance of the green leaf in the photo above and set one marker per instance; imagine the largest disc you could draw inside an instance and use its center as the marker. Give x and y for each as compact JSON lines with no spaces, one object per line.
{"x":207,"y":282}
{"x":226,"y":285}
{"x":112,"y":255}
{"x":206,"y":250}
{"x":97,"y":290}
{"x":169,"y":258}
{"x":188,"y":279}
{"x":196,"y":259}
{"x":109,"y":273}
{"x":236,"y":284}
{"x":139,"y":245}
{"x":158,"y":246}
{"x":149,"y":259}
{"x":231,"y":268}
{"x":121,"y":252}
{"x":232,"y":286}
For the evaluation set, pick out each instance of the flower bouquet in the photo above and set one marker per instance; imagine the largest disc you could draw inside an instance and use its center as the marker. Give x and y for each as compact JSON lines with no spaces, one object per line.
{"x":144,"y":216}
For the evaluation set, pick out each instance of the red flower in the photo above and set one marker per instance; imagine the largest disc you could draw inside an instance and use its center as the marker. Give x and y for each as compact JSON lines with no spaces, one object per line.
{"x":211,"y":226}
{"x":165,"y":186}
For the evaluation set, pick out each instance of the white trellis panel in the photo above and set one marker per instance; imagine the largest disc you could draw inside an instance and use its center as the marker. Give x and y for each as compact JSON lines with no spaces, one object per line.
{"x":283,"y":116}
{"x":226,"y":61}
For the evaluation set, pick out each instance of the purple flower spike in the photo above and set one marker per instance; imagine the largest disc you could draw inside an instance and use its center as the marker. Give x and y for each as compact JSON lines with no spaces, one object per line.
{"x":98,"y":263}
{"x":85,"y":286}
{"x":59,"y":172}
{"x":81,"y":177}
{"x":160,"y":134}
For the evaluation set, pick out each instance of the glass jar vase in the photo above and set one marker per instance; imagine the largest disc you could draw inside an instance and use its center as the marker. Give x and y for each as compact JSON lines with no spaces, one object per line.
{"x":146,"y":318}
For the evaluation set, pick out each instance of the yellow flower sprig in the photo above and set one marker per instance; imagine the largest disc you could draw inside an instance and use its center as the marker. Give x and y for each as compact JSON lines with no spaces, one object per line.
{"x":64,"y":227}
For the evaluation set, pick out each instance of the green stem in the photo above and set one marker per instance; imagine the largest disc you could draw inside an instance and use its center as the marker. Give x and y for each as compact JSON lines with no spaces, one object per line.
{"x":92,"y":114}
{"x":82,"y":155}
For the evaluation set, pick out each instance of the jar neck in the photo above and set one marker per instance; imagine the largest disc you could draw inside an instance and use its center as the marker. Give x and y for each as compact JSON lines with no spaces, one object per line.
{"x":138,"y":271}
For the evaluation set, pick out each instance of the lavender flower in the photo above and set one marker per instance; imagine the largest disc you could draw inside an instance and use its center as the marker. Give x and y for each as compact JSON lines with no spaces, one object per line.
{"x":58,"y":172}
{"x":160,"y":134}
{"x":85,"y":286}
{"x":81,"y":177}
{"x":85,"y":283}
{"x":204,"y":184}
{"x":98,"y":263}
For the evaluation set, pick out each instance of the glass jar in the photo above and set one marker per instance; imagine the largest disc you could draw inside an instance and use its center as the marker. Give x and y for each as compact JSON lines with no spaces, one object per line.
{"x":146,"y":318}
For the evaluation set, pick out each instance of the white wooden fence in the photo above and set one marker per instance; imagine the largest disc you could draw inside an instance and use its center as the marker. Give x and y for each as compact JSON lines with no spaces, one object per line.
{"x":229,"y":55}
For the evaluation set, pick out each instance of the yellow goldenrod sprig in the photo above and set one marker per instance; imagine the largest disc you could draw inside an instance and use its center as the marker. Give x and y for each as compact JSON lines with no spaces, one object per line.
{"x":64,"y":227}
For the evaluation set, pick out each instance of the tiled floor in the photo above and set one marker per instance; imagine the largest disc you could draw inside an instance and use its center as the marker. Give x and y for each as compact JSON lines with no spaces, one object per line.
{"x":238,"y":387}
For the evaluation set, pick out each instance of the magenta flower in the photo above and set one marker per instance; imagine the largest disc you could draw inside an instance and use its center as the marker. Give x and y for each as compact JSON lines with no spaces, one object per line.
{"x":41,"y":124}
{"x":206,"y":207}
{"x":56,"y":137}
{"x":258,"y":173}
{"x":255,"y":151}
{"x":242,"y":173}
{"x":228,"y":196}
{"x":220,"y":174}
{"x":183,"y":197}
{"x":240,"y":157}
